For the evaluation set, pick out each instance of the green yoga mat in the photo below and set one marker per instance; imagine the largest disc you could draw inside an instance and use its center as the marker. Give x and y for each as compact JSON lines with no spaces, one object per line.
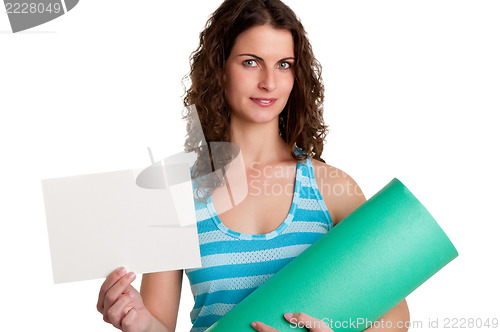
{"x":361,"y":269}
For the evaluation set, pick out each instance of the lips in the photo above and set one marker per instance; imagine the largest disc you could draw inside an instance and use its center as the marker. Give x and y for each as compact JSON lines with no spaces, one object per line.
{"x":264,"y":102}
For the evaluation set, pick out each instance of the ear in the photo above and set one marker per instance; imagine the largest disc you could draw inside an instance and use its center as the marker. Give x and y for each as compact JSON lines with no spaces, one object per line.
{"x":224,"y":73}
{"x":224,"y":78}
{"x":223,"y":68}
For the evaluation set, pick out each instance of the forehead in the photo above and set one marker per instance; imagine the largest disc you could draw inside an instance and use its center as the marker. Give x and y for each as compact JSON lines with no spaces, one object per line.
{"x":264,"y":40}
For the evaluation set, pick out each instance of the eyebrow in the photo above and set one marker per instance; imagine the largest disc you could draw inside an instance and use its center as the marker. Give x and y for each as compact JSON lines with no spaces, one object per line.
{"x":260,"y":59}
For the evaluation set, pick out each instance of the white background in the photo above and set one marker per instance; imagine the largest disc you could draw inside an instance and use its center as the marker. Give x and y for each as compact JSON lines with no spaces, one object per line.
{"x":411,"y":92}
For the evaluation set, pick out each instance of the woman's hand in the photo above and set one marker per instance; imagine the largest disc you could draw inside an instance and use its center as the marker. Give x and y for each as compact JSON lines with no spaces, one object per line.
{"x":297,"y":319}
{"x":121,"y":304}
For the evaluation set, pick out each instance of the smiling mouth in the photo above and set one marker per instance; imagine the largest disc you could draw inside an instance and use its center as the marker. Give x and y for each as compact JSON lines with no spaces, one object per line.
{"x":263,"y":101}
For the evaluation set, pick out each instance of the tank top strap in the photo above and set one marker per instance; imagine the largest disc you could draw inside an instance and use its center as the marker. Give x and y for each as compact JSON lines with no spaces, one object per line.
{"x":310,"y":186}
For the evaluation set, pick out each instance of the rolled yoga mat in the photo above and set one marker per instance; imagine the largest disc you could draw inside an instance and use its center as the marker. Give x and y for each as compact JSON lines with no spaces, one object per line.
{"x":356,"y":272}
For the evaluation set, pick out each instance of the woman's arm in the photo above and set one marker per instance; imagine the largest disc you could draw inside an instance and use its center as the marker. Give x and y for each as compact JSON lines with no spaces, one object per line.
{"x":394,"y":320}
{"x":340,"y":192}
{"x":161,"y":293}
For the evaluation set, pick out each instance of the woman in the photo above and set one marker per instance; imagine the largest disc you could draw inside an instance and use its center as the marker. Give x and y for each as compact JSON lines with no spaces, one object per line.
{"x":255,"y":83}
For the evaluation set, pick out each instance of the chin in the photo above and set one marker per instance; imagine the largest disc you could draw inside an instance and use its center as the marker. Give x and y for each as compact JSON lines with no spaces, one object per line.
{"x":258,"y":114}
{"x":264,"y":116}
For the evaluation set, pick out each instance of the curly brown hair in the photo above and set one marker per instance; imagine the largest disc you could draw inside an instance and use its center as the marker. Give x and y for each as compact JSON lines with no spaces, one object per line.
{"x":301,"y":122}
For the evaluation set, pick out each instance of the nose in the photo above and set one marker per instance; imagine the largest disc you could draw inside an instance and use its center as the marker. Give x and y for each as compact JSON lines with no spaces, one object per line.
{"x":267,"y":80}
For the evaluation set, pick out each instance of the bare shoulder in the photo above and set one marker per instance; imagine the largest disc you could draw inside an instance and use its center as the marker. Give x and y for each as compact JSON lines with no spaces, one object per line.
{"x":341,"y":193}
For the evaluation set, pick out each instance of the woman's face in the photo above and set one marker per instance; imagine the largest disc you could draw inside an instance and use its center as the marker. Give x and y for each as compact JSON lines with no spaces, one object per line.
{"x":259,"y":74}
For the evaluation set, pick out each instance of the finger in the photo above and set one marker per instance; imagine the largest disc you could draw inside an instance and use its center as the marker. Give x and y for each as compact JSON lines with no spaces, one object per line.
{"x":132,"y":291}
{"x":302,"y":320}
{"x":261,"y":327}
{"x":129,"y":319}
{"x":111,"y":279}
{"x":119,"y":309}
{"x":118,"y":289}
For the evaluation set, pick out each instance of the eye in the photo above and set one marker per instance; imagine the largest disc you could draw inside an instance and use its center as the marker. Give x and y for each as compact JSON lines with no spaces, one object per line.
{"x":250,"y":63}
{"x":285,"y":65}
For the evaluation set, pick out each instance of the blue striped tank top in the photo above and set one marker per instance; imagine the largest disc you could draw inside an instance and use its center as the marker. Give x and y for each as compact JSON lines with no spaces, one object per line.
{"x":235,"y":264}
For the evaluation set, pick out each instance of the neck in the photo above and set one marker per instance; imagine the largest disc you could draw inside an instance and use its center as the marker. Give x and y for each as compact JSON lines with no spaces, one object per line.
{"x":259,"y":142}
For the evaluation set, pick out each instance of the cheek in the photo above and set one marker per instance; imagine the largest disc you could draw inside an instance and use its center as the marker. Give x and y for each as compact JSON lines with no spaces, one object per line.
{"x":287,"y":84}
{"x":237,"y":85}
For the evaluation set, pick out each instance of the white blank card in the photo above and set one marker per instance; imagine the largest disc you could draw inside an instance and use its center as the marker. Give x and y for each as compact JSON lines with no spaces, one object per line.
{"x":98,"y":222}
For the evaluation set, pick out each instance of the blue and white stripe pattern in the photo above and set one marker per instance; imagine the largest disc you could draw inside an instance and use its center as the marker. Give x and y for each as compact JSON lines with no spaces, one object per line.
{"x":235,"y":264}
